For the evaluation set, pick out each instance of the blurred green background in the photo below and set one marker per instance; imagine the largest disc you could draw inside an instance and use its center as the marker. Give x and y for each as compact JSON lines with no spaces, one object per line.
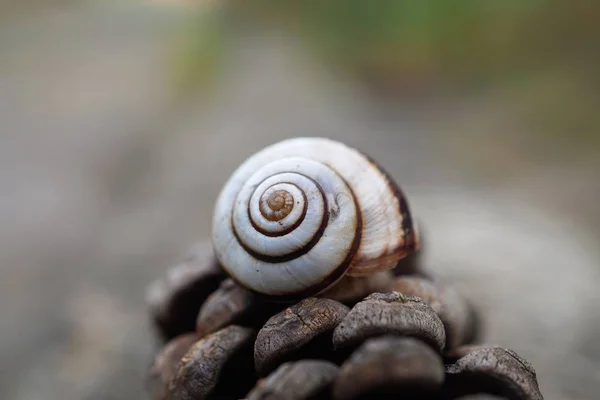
{"x":539,"y":56}
{"x":120,"y":121}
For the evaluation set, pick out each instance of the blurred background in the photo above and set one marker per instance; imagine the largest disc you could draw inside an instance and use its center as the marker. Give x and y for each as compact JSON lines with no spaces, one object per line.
{"x":120,"y":121}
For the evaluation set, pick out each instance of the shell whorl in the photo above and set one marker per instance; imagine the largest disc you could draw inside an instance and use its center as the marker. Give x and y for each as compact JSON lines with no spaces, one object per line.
{"x":298,"y":215}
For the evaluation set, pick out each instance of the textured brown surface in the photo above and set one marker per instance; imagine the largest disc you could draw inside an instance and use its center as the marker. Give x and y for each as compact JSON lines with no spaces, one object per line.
{"x":202,"y":368}
{"x":448,"y":303}
{"x":175,"y":299}
{"x":390,"y":365}
{"x":301,"y":380}
{"x":165,"y":365}
{"x":457,"y":353}
{"x":223,"y":307}
{"x":494,"y":370}
{"x":352,"y":289}
{"x":290,"y":333}
{"x":390,"y":313}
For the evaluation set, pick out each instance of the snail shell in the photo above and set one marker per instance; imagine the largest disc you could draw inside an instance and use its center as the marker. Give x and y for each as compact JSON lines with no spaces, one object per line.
{"x":298,"y":215}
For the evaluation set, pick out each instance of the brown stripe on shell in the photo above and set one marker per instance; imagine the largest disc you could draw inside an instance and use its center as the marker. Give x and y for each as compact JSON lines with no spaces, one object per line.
{"x":295,"y":254}
{"x":291,"y":228}
{"x":328,"y":280}
{"x":410,"y":238}
{"x":340,"y":270}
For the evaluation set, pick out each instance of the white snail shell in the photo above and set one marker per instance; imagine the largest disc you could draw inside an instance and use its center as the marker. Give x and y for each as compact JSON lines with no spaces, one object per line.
{"x":300,"y":214}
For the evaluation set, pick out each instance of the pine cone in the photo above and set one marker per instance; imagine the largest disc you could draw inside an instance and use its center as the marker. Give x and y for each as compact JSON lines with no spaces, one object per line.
{"x":382,"y":336}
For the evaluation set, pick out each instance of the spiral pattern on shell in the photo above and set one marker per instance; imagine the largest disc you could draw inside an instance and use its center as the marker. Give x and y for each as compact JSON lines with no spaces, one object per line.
{"x":295,"y":217}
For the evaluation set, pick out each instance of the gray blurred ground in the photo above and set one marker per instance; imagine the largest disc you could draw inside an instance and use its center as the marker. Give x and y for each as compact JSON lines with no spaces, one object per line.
{"x":103,"y":189}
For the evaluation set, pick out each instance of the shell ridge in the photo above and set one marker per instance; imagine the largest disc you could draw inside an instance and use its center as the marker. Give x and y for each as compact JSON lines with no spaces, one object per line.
{"x":292,"y":255}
